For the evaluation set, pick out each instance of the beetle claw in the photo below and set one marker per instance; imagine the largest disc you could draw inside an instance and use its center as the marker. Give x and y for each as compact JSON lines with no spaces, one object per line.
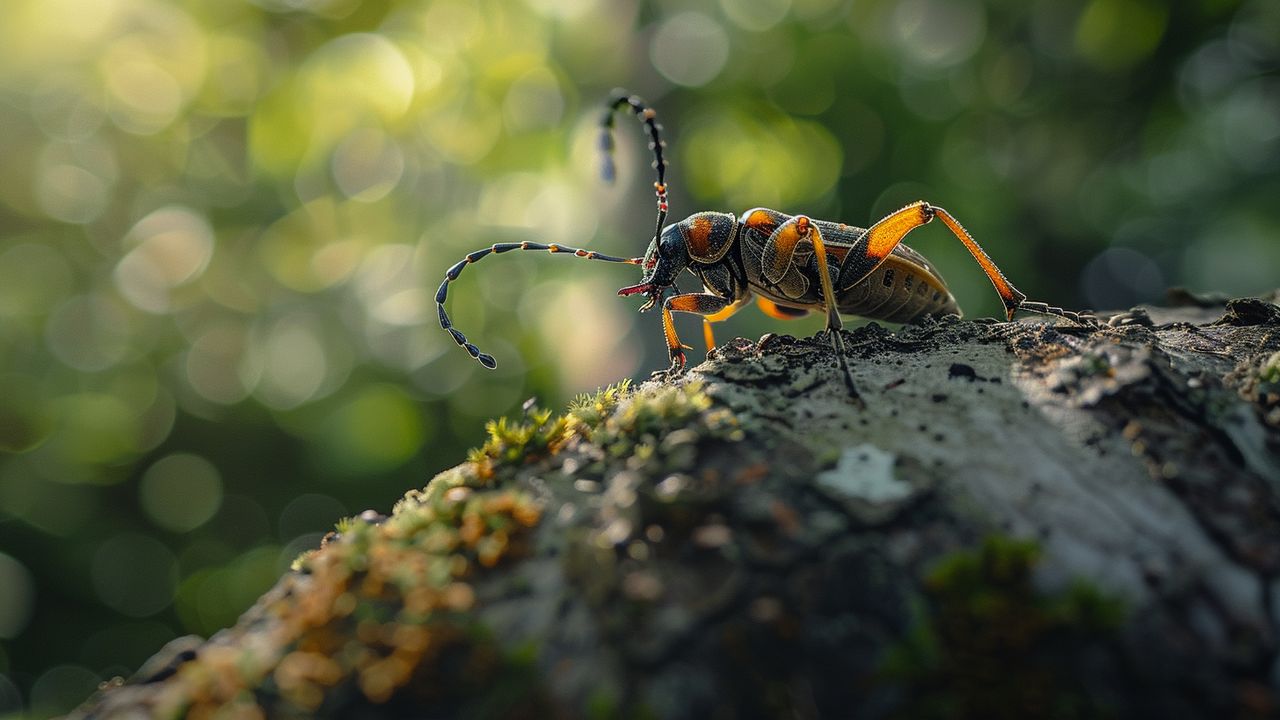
{"x":678,"y":361}
{"x":655,"y":297}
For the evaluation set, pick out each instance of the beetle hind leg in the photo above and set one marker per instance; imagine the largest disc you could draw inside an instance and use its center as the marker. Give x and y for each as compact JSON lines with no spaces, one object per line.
{"x":1014,"y":300}
{"x":880,"y":240}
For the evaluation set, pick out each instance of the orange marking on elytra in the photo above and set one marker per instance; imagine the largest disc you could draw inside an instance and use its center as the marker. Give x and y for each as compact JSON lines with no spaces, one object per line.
{"x":761,"y":220}
{"x":698,"y":236}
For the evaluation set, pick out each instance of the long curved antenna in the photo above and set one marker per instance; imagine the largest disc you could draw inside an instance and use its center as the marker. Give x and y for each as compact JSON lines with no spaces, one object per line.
{"x":452,"y":274}
{"x":648,"y":116}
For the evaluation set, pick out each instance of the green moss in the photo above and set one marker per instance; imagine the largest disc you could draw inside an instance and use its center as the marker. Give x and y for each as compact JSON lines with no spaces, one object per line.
{"x":541,"y":433}
{"x":590,"y":410}
{"x":1096,"y":363}
{"x":1269,"y":372}
{"x":515,"y":692}
{"x":389,"y":611}
{"x":988,"y":644}
{"x":459,"y":476}
{"x":645,"y":423}
{"x":602,"y":704}
{"x":514,"y":443}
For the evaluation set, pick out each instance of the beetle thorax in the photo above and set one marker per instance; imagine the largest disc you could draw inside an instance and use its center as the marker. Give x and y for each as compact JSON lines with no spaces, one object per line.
{"x":707,"y":236}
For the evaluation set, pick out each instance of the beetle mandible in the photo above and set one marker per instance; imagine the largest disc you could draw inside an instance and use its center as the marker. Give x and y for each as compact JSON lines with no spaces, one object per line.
{"x":790,"y":264}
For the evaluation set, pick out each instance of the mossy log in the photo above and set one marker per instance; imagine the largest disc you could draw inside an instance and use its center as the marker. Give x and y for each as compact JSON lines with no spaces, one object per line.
{"x":1024,"y":520}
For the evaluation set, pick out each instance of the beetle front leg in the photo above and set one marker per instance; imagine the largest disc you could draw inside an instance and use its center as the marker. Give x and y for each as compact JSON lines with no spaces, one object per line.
{"x":703,"y":304}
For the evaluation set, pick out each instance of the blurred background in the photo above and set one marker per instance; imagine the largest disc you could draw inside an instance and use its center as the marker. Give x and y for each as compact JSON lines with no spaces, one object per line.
{"x":222,"y":224}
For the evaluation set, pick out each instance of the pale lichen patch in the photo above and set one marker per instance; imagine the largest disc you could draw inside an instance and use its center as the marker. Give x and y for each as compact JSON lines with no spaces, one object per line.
{"x":865,"y":472}
{"x":872,"y":484}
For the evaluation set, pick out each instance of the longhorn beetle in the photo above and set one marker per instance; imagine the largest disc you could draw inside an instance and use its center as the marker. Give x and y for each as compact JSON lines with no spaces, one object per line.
{"x":790,"y":263}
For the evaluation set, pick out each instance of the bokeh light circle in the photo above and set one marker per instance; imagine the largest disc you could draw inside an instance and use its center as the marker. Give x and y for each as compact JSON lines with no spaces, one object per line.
{"x":134,"y":574}
{"x":61,"y":688}
{"x":755,"y":15}
{"x":170,"y":248}
{"x":180,"y":492}
{"x":689,"y":49}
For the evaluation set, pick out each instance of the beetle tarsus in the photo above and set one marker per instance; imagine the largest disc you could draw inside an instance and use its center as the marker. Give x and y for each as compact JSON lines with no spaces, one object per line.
{"x":842,"y":360}
{"x":1040,"y":308}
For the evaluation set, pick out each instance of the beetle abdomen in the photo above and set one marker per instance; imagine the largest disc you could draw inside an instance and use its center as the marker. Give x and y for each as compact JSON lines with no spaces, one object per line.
{"x":904,"y":288}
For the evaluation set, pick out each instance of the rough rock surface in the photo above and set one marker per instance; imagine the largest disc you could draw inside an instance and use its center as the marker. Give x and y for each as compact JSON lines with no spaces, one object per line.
{"x":1025,"y":520}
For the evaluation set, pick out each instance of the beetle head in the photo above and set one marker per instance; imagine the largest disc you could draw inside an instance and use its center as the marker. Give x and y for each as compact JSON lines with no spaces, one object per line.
{"x":666,"y":257}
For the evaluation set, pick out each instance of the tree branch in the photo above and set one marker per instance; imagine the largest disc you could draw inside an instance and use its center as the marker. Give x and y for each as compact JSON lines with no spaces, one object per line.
{"x":1025,"y":520}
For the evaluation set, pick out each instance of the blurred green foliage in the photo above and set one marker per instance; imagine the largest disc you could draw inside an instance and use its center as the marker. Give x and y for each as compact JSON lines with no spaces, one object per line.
{"x":222,"y":223}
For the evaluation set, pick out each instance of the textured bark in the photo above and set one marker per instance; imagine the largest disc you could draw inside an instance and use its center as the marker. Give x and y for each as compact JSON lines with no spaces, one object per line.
{"x":1024,"y":520}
